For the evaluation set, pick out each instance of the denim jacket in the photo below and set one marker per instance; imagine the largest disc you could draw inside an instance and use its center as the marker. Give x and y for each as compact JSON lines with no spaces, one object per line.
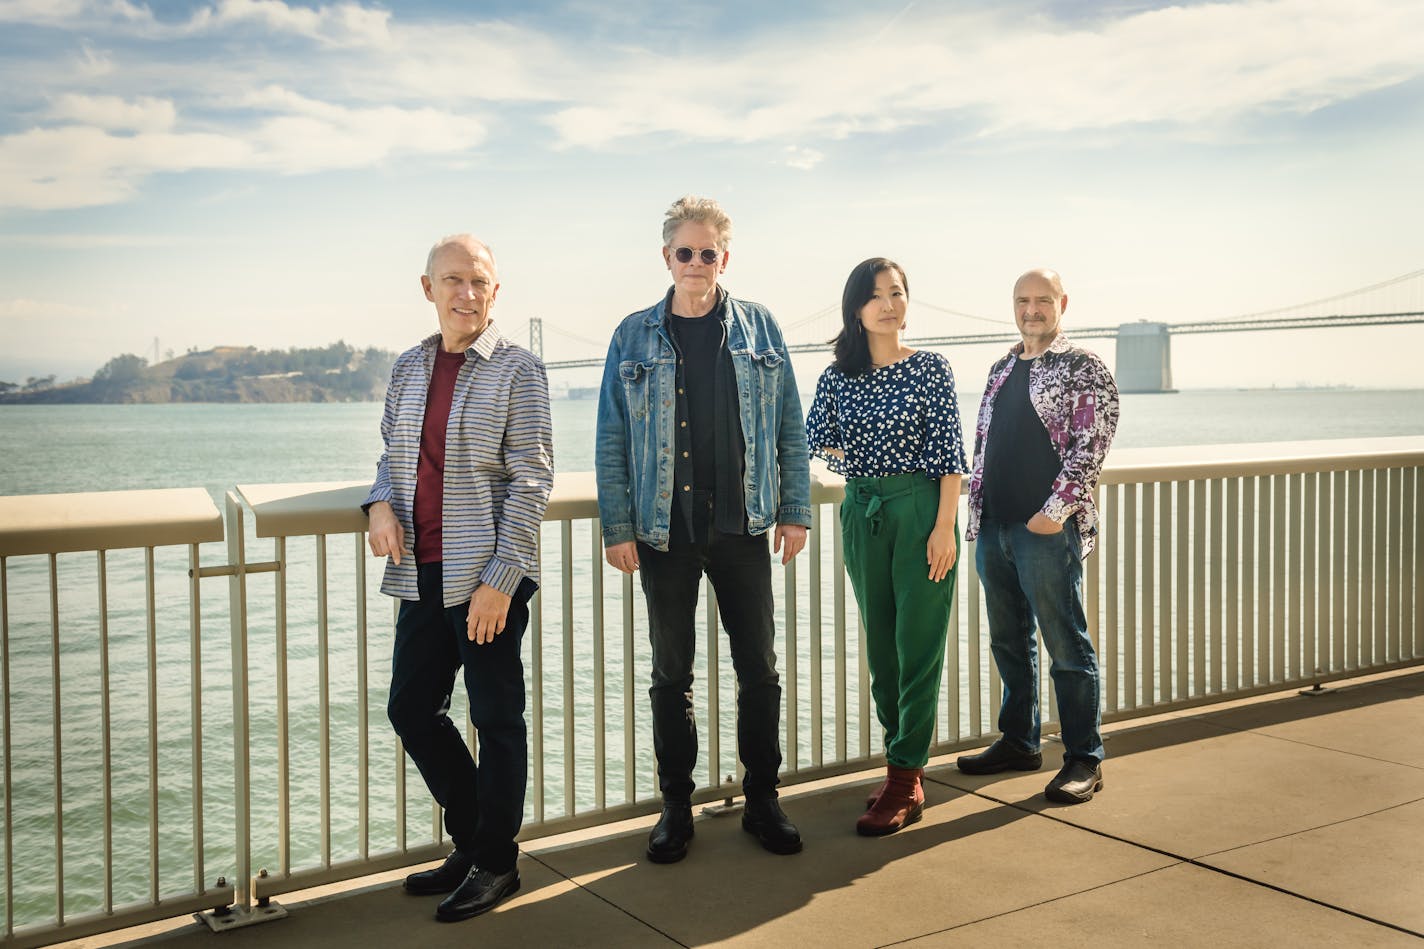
{"x":636,"y":413}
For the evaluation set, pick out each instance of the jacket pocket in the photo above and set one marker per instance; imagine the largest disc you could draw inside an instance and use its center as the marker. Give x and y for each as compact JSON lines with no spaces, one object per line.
{"x":637,"y":387}
{"x":769,"y":366}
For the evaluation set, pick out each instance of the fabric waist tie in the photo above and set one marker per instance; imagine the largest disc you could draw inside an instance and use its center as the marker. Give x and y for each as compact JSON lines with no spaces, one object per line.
{"x":874,"y":492}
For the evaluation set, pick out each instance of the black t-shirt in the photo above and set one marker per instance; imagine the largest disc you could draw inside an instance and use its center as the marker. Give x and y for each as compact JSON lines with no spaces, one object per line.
{"x":698,"y":341}
{"x":1020,"y":464}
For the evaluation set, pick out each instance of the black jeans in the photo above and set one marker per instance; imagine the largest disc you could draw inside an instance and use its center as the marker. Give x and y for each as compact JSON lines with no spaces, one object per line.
{"x":484,"y":805}
{"x":739,"y":567}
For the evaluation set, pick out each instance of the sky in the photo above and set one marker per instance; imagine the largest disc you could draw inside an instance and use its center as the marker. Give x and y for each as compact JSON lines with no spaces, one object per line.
{"x":271,"y":173}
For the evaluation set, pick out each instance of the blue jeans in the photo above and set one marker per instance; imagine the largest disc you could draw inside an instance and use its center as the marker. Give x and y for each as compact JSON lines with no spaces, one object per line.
{"x":1030,"y":576}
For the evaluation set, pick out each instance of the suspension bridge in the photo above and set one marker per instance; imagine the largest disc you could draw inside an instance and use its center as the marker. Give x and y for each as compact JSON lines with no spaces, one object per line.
{"x":1144,"y":347}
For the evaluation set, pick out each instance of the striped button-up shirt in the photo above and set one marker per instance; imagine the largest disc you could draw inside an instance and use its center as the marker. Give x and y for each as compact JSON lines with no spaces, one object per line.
{"x":499,"y":466}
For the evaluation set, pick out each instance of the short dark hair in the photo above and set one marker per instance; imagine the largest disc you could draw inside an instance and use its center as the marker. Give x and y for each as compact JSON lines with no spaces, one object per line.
{"x":852,"y":351}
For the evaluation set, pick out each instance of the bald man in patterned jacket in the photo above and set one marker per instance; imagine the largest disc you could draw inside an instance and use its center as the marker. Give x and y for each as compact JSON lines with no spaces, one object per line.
{"x":1045,"y":425}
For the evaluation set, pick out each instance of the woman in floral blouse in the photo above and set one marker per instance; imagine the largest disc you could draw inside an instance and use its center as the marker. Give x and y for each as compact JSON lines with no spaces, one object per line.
{"x":886,"y":417}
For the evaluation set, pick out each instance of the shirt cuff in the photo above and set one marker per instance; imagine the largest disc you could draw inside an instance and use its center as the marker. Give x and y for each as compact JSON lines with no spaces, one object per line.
{"x":378,"y":493}
{"x":504,"y":577}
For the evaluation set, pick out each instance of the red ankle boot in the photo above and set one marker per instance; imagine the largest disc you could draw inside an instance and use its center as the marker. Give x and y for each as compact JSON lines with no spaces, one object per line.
{"x":902,"y":802}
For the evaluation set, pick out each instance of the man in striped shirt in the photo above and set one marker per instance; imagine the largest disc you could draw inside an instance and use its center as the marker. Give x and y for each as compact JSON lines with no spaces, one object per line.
{"x":459,"y":496}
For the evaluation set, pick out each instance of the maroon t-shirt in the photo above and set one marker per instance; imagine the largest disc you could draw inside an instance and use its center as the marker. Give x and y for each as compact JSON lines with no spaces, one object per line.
{"x":430,"y":471}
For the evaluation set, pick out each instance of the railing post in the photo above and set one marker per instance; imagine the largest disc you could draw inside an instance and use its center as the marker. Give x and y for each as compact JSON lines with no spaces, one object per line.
{"x":242,"y":912}
{"x":237,"y":611}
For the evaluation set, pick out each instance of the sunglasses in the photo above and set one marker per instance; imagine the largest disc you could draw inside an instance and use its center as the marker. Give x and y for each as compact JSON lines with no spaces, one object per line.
{"x":708,"y":255}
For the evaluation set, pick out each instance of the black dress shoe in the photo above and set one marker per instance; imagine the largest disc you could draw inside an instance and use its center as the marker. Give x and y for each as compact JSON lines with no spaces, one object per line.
{"x":1000,"y":756}
{"x":668,"y":841}
{"x":764,"y":818}
{"x":443,"y":878}
{"x":481,"y":892}
{"x":1076,"y":783}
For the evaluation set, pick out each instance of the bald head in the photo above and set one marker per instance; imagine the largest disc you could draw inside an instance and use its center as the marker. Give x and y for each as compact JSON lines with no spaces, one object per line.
{"x":1039,"y":302}
{"x":1043,"y":273}
{"x":467,"y":242}
{"x":460,"y":280}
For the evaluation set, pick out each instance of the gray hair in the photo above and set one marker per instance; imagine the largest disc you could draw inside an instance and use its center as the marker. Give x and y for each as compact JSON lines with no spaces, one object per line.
{"x":449,"y":239}
{"x":691,"y":208}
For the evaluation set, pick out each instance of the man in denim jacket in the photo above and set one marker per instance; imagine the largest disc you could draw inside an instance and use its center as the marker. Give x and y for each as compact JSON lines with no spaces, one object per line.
{"x":701,"y":452}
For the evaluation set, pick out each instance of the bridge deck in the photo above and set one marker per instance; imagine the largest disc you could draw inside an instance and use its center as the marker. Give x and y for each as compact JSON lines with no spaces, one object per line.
{"x":1284,"y":820}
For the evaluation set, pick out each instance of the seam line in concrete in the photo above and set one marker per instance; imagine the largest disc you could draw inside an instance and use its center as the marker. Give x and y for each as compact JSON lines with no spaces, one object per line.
{"x":1309,"y":830}
{"x":1338,"y":751}
{"x":1196,"y":862}
{"x":1020,"y":909}
{"x":600,"y":897}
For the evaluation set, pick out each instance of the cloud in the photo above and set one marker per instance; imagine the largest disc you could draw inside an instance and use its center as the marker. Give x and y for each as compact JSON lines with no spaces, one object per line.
{"x":145,"y":114}
{"x":90,"y":241}
{"x":803,"y":159}
{"x":15,"y":310}
{"x":1006,"y":72}
{"x":341,"y":24}
{"x":86,"y":165}
{"x":350,"y":85}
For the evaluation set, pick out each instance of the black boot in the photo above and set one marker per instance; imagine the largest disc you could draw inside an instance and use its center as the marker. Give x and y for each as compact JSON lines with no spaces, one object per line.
{"x":764,"y":818}
{"x":668,"y":841}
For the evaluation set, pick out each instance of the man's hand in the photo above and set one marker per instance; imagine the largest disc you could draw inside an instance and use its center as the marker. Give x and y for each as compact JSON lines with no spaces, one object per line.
{"x":622,"y":556}
{"x":488,"y":610}
{"x":794,"y":536}
{"x":940,"y":551}
{"x":385,"y":534}
{"x":1041,"y":523}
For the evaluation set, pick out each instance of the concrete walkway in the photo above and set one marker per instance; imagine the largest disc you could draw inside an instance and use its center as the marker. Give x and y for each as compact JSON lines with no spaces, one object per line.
{"x":1285,"y":820}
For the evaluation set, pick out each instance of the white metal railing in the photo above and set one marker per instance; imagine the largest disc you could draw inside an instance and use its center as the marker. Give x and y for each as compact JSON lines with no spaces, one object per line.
{"x":113,"y":649}
{"x":1222,"y":571}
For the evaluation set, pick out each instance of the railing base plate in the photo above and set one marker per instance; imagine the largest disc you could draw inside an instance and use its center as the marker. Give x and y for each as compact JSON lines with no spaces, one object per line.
{"x":1314,"y":691}
{"x":237,"y":917}
{"x":722,"y":810}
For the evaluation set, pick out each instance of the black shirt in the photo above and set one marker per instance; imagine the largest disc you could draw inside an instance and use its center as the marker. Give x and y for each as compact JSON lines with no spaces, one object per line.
{"x":1020,"y":464}
{"x":698,"y":340}
{"x":701,"y":354}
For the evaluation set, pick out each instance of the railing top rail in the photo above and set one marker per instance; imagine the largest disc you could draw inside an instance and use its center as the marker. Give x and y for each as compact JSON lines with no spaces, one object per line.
{"x":106,"y":520}
{"x":317,"y":507}
{"x":55,"y":523}
{"x":334,"y":507}
{"x":1190,"y":462}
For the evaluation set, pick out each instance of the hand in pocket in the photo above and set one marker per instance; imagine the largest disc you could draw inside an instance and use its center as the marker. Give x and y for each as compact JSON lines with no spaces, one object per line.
{"x":1041,"y":523}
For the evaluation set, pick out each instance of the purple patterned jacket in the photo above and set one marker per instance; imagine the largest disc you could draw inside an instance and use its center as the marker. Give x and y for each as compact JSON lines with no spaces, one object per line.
{"x":1076,"y":398}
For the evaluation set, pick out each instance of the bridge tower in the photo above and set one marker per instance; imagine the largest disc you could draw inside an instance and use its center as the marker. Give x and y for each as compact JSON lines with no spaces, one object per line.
{"x":1144,"y":357}
{"x":536,"y":336}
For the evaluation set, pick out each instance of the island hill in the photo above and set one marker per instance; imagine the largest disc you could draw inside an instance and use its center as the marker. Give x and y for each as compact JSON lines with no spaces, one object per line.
{"x":335,"y":373}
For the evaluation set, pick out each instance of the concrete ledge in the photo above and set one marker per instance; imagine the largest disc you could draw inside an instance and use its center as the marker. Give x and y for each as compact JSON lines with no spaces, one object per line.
{"x":294,"y":510}
{"x":106,"y":520}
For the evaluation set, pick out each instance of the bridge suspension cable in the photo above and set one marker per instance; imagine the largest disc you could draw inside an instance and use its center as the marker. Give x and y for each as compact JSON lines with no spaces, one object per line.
{"x":1322,"y":301}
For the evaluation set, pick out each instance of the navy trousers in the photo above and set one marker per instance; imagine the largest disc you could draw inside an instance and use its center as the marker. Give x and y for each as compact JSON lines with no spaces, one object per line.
{"x":484,"y":803}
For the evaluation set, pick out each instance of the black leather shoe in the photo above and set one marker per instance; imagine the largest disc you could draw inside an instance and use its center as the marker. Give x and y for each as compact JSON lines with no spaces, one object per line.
{"x":1000,"y":756}
{"x":443,"y":878}
{"x":668,"y":841}
{"x":481,"y":892}
{"x":764,"y":818}
{"x":1076,"y":783}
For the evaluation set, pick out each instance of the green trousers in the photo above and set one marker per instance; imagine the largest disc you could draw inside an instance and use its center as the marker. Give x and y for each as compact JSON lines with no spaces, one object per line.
{"x":885,"y":525}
